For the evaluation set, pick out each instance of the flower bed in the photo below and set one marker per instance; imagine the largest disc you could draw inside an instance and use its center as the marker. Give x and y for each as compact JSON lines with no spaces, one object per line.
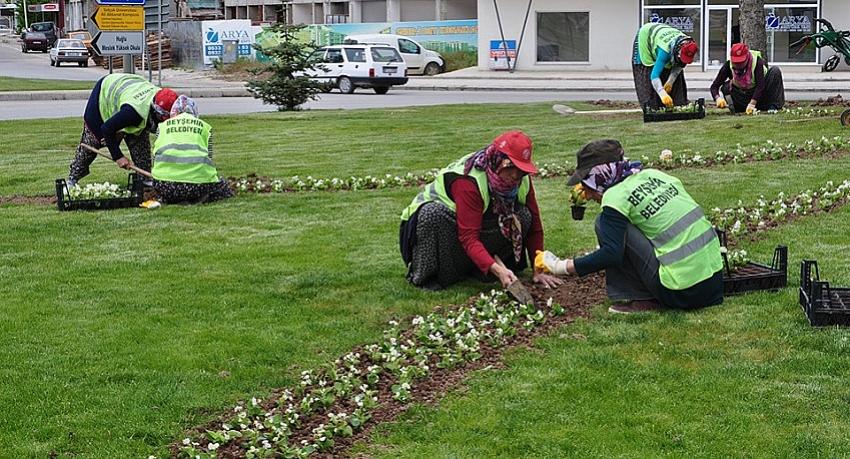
{"x":767,"y":214}
{"x":334,"y":405}
{"x":769,"y":151}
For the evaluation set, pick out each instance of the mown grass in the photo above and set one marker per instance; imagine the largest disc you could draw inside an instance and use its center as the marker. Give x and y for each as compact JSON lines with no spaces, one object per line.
{"x":35,"y":84}
{"x":122,"y":329}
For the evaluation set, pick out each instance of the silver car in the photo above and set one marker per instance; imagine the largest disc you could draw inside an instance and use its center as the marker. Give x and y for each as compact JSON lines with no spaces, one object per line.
{"x":69,"y":50}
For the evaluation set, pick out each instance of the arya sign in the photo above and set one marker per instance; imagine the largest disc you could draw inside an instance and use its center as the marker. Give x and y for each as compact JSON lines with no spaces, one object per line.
{"x":217,"y":32}
{"x":774,"y":23}
{"x":683,"y":23}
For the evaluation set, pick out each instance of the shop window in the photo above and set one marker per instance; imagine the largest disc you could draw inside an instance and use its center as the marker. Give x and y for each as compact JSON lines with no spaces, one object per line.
{"x":563,"y":37}
{"x":671,"y":2}
{"x":688,"y":20}
{"x":785,"y":26}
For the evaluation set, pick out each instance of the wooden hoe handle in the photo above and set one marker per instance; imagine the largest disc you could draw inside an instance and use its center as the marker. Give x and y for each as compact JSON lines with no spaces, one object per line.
{"x":95,"y":150}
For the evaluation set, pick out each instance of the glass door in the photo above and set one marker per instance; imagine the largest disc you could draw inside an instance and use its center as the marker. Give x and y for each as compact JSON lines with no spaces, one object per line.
{"x":719,"y":36}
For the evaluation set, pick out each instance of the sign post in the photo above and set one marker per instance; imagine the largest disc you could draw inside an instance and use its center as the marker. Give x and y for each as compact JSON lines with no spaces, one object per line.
{"x":118,"y":29}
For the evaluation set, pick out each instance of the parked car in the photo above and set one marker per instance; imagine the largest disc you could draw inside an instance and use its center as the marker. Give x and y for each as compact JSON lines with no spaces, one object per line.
{"x":34,"y":41}
{"x":419,"y":60}
{"x":67,"y":50}
{"x":85,"y":37}
{"x":348,"y":67}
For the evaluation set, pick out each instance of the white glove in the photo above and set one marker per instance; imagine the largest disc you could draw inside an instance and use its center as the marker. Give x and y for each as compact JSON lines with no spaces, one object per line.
{"x":547,"y":262}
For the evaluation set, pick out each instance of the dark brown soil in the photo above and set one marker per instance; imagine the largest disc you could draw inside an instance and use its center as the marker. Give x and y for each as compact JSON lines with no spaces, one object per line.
{"x":832,"y":101}
{"x":613,"y":103}
{"x":576,"y":295}
{"x":28,"y":200}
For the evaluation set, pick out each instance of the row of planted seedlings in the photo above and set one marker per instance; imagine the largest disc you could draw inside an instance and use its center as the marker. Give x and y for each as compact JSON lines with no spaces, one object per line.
{"x":667,"y":160}
{"x":336,"y":401}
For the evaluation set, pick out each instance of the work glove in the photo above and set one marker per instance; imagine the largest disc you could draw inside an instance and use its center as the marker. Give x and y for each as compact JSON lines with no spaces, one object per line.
{"x":751,"y":108}
{"x":721,"y":102}
{"x":667,"y":100}
{"x":547,"y":262}
{"x":668,"y":87}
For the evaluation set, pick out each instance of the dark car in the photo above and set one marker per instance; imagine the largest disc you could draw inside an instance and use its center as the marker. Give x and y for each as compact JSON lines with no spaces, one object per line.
{"x":34,"y":41}
{"x":44,"y":34}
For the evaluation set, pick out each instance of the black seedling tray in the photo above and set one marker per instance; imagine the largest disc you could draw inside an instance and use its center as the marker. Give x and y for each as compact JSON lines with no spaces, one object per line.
{"x":650,"y":116}
{"x":822,"y":304}
{"x":755,"y":276}
{"x":134,"y":184}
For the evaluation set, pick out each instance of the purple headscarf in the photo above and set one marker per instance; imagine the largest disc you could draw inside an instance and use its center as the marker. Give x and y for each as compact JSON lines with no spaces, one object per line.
{"x":604,"y":176}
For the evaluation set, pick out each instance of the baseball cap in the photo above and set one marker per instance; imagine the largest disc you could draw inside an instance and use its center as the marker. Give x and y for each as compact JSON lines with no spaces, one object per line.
{"x":593,"y":154}
{"x":739,"y":53}
{"x":688,"y":51}
{"x":163,"y":101}
{"x":518,"y":147}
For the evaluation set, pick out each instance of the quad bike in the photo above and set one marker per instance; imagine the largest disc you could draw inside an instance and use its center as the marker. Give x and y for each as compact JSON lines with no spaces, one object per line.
{"x":838,"y":40}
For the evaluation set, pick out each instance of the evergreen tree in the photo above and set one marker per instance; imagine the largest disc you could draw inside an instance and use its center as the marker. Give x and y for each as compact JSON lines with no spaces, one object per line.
{"x":286,"y":85}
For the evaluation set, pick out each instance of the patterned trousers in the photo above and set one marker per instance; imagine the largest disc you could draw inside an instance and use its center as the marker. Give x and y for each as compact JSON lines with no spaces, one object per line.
{"x":646,"y":93}
{"x":139,"y":145}
{"x":438,"y":258}
{"x":191,"y":193}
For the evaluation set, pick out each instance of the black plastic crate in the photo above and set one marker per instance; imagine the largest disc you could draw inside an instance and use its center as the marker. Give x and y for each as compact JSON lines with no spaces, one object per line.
{"x":655,"y":116}
{"x":134,"y":184}
{"x":822,"y":304}
{"x":755,"y":276}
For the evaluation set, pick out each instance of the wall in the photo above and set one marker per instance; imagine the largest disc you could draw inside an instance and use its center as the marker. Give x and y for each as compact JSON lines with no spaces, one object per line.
{"x":613,"y":24}
{"x":461,"y":9}
{"x":186,"y":45}
{"x":374,"y":11}
{"x":838,"y":13}
{"x":418,"y":10}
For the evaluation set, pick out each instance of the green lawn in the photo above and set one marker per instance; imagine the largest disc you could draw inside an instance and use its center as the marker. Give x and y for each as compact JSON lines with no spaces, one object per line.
{"x":123,"y":329}
{"x":36,"y":84}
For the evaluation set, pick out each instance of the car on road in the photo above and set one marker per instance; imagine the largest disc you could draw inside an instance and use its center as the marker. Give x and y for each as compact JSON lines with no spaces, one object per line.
{"x":348,"y":67}
{"x":68,"y":50}
{"x":420,"y":61}
{"x":85,"y":36}
{"x":47,"y":28}
{"x":34,"y":41}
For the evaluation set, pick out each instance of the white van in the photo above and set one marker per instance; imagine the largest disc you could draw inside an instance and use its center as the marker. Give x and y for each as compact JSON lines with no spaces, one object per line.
{"x":418,"y":59}
{"x":348,"y":67}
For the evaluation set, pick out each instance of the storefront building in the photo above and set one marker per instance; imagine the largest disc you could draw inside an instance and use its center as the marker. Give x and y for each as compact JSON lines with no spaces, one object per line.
{"x":592,"y":35}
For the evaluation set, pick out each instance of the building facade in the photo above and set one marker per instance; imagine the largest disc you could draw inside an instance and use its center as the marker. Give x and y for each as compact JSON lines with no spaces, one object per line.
{"x":350,"y":11}
{"x":591,"y":35}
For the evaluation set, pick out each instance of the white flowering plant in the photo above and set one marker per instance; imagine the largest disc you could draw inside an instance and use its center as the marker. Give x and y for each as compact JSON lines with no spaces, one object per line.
{"x":338,"y":398}
{"x":103,"y":190}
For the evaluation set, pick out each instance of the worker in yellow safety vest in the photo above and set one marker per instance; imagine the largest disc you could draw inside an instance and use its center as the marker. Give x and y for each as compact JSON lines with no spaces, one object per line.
{"x":661,"y":52}
{"x":121,"y":106}
{"x":655,"y":244}
{"x":183,"y":170}
{"x":747,"y":84}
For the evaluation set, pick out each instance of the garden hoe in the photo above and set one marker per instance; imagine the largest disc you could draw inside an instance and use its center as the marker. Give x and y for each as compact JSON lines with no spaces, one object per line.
{"x":96,"y":151}
{"x":516,"y":288}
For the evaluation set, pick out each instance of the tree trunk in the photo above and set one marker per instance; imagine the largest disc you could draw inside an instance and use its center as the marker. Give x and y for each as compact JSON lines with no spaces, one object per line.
{"x":752,"y":25}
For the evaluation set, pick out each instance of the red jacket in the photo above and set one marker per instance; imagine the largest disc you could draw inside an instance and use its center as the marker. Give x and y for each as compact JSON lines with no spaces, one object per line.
{"x":470,"y":210}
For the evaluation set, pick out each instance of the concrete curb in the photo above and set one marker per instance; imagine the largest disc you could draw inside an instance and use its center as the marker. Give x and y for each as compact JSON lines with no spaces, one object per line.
{"x":83,"y":94}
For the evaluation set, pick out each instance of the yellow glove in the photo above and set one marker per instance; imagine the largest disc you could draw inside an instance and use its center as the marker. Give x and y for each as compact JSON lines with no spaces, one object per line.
{"x":667,"y":100}
{"x":721,"y":103}
{"x":750,"y":109}
{"x":547,"y":262}
{"x":668,"y":87}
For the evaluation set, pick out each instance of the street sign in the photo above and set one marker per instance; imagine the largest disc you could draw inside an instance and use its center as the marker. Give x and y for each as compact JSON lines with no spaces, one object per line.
{"x":120,"y":2}
{"x":119,"y":18}
{"x":117,"y":43}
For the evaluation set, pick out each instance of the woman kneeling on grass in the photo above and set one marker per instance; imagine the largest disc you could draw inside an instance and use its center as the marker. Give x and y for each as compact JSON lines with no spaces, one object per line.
{"x":479,"y":210}
{"x":655,"y":244}
{"x":183,"y":170}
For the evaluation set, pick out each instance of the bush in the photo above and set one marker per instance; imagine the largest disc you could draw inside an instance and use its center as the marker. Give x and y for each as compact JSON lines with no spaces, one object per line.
{"x":460,"y":60}
{"x":286,"y":86}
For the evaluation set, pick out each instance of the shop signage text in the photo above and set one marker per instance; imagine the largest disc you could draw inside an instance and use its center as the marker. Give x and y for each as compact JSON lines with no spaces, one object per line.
{"x":683,"y":23}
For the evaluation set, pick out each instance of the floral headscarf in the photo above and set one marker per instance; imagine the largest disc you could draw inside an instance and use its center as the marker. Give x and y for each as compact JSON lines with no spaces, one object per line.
{"x":184,"y":104}
{"x":503,"y":193}
{"x":604,"y":176}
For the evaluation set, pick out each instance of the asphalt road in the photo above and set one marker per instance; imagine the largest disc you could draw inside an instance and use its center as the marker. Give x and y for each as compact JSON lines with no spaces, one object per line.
{"x":14,"y":63}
